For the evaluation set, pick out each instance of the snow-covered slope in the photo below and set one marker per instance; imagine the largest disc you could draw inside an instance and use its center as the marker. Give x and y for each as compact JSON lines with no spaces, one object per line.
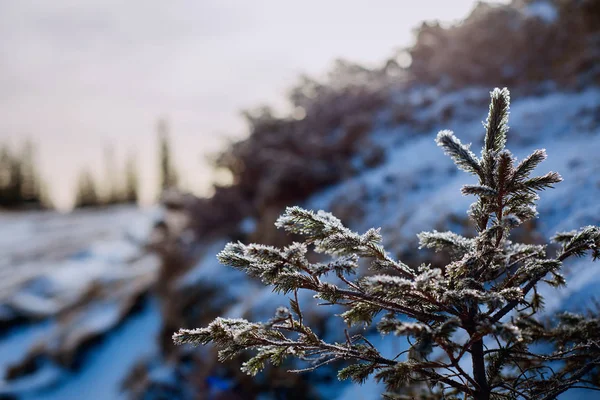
{"x":67,"y":281}
{"x":416,"y":172}
{"x":35,"y":242}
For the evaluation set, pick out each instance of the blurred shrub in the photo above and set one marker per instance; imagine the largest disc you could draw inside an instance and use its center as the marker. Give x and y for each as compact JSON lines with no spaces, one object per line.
{"x":285,"y":159}
{"x":525,"y":42}
{"x":326,"y":136}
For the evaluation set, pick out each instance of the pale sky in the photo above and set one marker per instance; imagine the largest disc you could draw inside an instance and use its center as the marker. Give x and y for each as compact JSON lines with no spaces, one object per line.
{"x":76,"y":76}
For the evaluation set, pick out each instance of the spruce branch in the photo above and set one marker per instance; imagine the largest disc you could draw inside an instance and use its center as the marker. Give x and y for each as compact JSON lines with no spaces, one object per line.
{"x":496,"y":125}
{"x":482,"y":305}
{"x":464,"y":158}
{"x":526,"y":167}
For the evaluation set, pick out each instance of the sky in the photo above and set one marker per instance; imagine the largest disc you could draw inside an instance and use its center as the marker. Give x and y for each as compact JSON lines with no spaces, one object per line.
{"x":78,"y":77}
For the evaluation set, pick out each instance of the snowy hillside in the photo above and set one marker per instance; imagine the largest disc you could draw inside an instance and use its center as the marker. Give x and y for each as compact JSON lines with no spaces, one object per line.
{"x":66,"y":282}
{"x":32,"y":243}
{"x":416,"y":172}
{"x":567,"y":125}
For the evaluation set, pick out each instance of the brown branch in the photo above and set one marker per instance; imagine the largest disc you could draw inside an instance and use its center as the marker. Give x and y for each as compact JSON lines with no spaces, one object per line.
{"x":572,"y":380}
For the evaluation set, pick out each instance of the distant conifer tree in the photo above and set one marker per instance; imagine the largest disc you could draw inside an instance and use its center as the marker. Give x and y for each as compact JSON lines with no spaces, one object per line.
{"x":16,"y":185}
{"x":87,"y":191}
{"x":5,"y":176}
{"x":20,"y":183}
{"x":474,"y":327}
{"x":31,"y":186}
{"x":131,"y":181}
{"x":168,"y":174}
{"x":112,"y":183}
{"x":11,"y":179}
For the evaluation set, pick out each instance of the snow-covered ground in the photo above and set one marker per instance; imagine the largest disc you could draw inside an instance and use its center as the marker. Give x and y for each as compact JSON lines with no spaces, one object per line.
{"x":417,"y":172}
{"x":109,"y":363}
{"x":73,"y":279}
{"x":32,"y":243}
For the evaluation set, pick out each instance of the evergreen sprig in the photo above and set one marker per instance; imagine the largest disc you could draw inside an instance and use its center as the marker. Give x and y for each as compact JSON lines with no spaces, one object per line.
{"x":481,"y":307}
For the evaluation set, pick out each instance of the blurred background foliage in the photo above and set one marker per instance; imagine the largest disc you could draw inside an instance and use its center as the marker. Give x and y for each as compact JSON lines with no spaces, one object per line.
{"x":89,"y":300}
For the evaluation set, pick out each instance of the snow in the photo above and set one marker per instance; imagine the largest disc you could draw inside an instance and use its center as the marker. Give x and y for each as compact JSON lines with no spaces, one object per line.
{"x":102,"y":376}
{"x":248,"y":226}
{"x":417,"y":172}
{"x":370,"y":390}
{"x":208,"y":272}
{"x":14,"y":344}
{"x":544,"y":10}
{"x":33,"y":305}
{"x":46,"y":376}
{"x":38,"y":244}
{"x":64,"y":255}
{"x":88,"y":267}
{"x":97,"y":318}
